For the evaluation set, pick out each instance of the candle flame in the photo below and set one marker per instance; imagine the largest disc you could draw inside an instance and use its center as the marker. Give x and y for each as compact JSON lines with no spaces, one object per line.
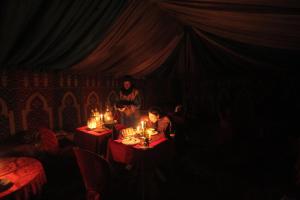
{"x":92,"y":123}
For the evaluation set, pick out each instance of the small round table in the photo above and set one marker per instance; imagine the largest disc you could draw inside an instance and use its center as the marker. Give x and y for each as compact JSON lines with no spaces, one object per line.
{"x":26,"y":174}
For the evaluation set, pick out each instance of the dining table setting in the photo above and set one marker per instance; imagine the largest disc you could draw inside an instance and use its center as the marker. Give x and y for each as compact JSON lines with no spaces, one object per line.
{"x":140,"y":146}
{"x":21,"y":178}
{"x":119,"y":143}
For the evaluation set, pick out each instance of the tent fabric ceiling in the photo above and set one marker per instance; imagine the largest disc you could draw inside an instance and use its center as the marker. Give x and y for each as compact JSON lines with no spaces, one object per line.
{"x":259,"y":23}
{"x":86,"y":37}
{"x":138,"y":43}
{"x":49,"y":35}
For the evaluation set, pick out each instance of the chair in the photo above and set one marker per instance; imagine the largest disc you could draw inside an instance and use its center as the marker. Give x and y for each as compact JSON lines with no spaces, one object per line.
{"x":49,"y":142}
{"x":33,"y":143}
{"x":95,"y":172}
{"x":56,"y":159}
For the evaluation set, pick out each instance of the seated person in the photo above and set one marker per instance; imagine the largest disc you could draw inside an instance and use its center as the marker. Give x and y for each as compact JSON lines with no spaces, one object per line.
{"x":178,"y":115}
{"x":179,"y":126}
{"x":158,"y":121}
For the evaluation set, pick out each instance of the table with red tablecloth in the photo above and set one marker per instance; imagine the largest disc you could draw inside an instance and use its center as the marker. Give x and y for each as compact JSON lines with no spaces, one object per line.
{"x":159,"y":150}
{"x":144,"y":162}
{"x":26,"y":175}
{"x":94,"y":140}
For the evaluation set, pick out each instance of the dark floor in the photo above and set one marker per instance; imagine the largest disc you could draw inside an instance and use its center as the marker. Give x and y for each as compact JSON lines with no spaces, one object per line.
{"x":201,"y":172}
{"x":245,"y":169}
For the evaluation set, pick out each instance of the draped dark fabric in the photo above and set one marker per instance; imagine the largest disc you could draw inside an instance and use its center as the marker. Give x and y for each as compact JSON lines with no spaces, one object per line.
{"x":252,"y":85}
{"x":265,"y":23}
{"x":137,"y":44}
{"x":47,"y":35}
{"x":259,"y":34}
{"x":233,"y":51}
{"x":191,"y":41}
{"x":250,"y":57}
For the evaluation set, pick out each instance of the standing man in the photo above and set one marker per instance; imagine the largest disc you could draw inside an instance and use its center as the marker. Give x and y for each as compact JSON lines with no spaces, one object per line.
{"x":129,"y":102}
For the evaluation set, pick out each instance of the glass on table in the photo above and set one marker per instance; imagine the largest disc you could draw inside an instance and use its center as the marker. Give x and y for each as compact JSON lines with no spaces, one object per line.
{"x":128,"y":132}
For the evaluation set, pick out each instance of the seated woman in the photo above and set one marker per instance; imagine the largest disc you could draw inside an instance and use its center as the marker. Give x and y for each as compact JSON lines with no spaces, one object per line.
{"x":158,"y":121}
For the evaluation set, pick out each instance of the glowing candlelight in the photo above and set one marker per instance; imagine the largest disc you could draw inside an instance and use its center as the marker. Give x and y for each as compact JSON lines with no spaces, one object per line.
{"x":92,"y":123}
{"x":108,"y":116}
{"x":101,"y":117}
{"x":149,"y":132}
{"x":97,"y":117}
{"x":138,"y":129}
{"x":143,"y":125}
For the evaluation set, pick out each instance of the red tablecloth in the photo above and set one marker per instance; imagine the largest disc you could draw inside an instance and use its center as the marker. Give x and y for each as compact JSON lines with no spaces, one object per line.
{"x":92,"y":140}
{"x":144,"y":162}
{"x":26,"y":174}
{"x":160,"y":150}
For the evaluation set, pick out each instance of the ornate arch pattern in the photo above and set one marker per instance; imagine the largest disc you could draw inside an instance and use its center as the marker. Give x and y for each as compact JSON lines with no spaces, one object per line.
{"x":7,"y":121}
{"x":92,"y":102}
{"x":36,"y":113}
{"x":67,"y":111}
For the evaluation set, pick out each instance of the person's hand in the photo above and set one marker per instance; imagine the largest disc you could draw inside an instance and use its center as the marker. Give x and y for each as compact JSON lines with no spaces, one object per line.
{"x":133,"y":108}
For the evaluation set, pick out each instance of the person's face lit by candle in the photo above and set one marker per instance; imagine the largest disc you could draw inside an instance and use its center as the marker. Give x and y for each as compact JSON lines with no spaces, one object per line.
{"x":127,"y":84}
{"x":153,"y":118}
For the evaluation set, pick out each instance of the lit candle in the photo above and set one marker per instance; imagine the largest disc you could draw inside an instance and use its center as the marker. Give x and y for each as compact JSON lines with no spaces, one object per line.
{"x":149,"y":133}
{"x":143,"y":125}
{"x":138,"y":128}
{"x":97,"y":116}
{"x":91,"y":123}
{"x":101,"y":117}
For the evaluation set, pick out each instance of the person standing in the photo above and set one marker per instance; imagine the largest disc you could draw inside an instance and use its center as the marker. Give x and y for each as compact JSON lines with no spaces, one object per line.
{"x":128,"y":102}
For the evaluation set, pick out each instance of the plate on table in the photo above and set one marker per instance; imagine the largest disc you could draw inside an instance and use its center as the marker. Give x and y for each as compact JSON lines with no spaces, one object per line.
{"x":131,"y":141}
{"x":152,"y":131}
{"x":128,"y":132}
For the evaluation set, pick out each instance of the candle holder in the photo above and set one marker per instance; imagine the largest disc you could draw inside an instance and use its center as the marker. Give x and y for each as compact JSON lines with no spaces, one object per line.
{"x":91,"y":124}
{"x":145,"y":142}
{"x":108,"y":117}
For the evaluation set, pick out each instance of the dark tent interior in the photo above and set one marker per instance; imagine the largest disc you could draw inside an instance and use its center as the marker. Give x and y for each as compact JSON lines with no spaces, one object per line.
{"x":229,"y":67}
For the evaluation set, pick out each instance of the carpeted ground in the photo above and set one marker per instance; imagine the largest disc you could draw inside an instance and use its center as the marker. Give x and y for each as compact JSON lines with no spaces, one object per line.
{"x":202,"y":170}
